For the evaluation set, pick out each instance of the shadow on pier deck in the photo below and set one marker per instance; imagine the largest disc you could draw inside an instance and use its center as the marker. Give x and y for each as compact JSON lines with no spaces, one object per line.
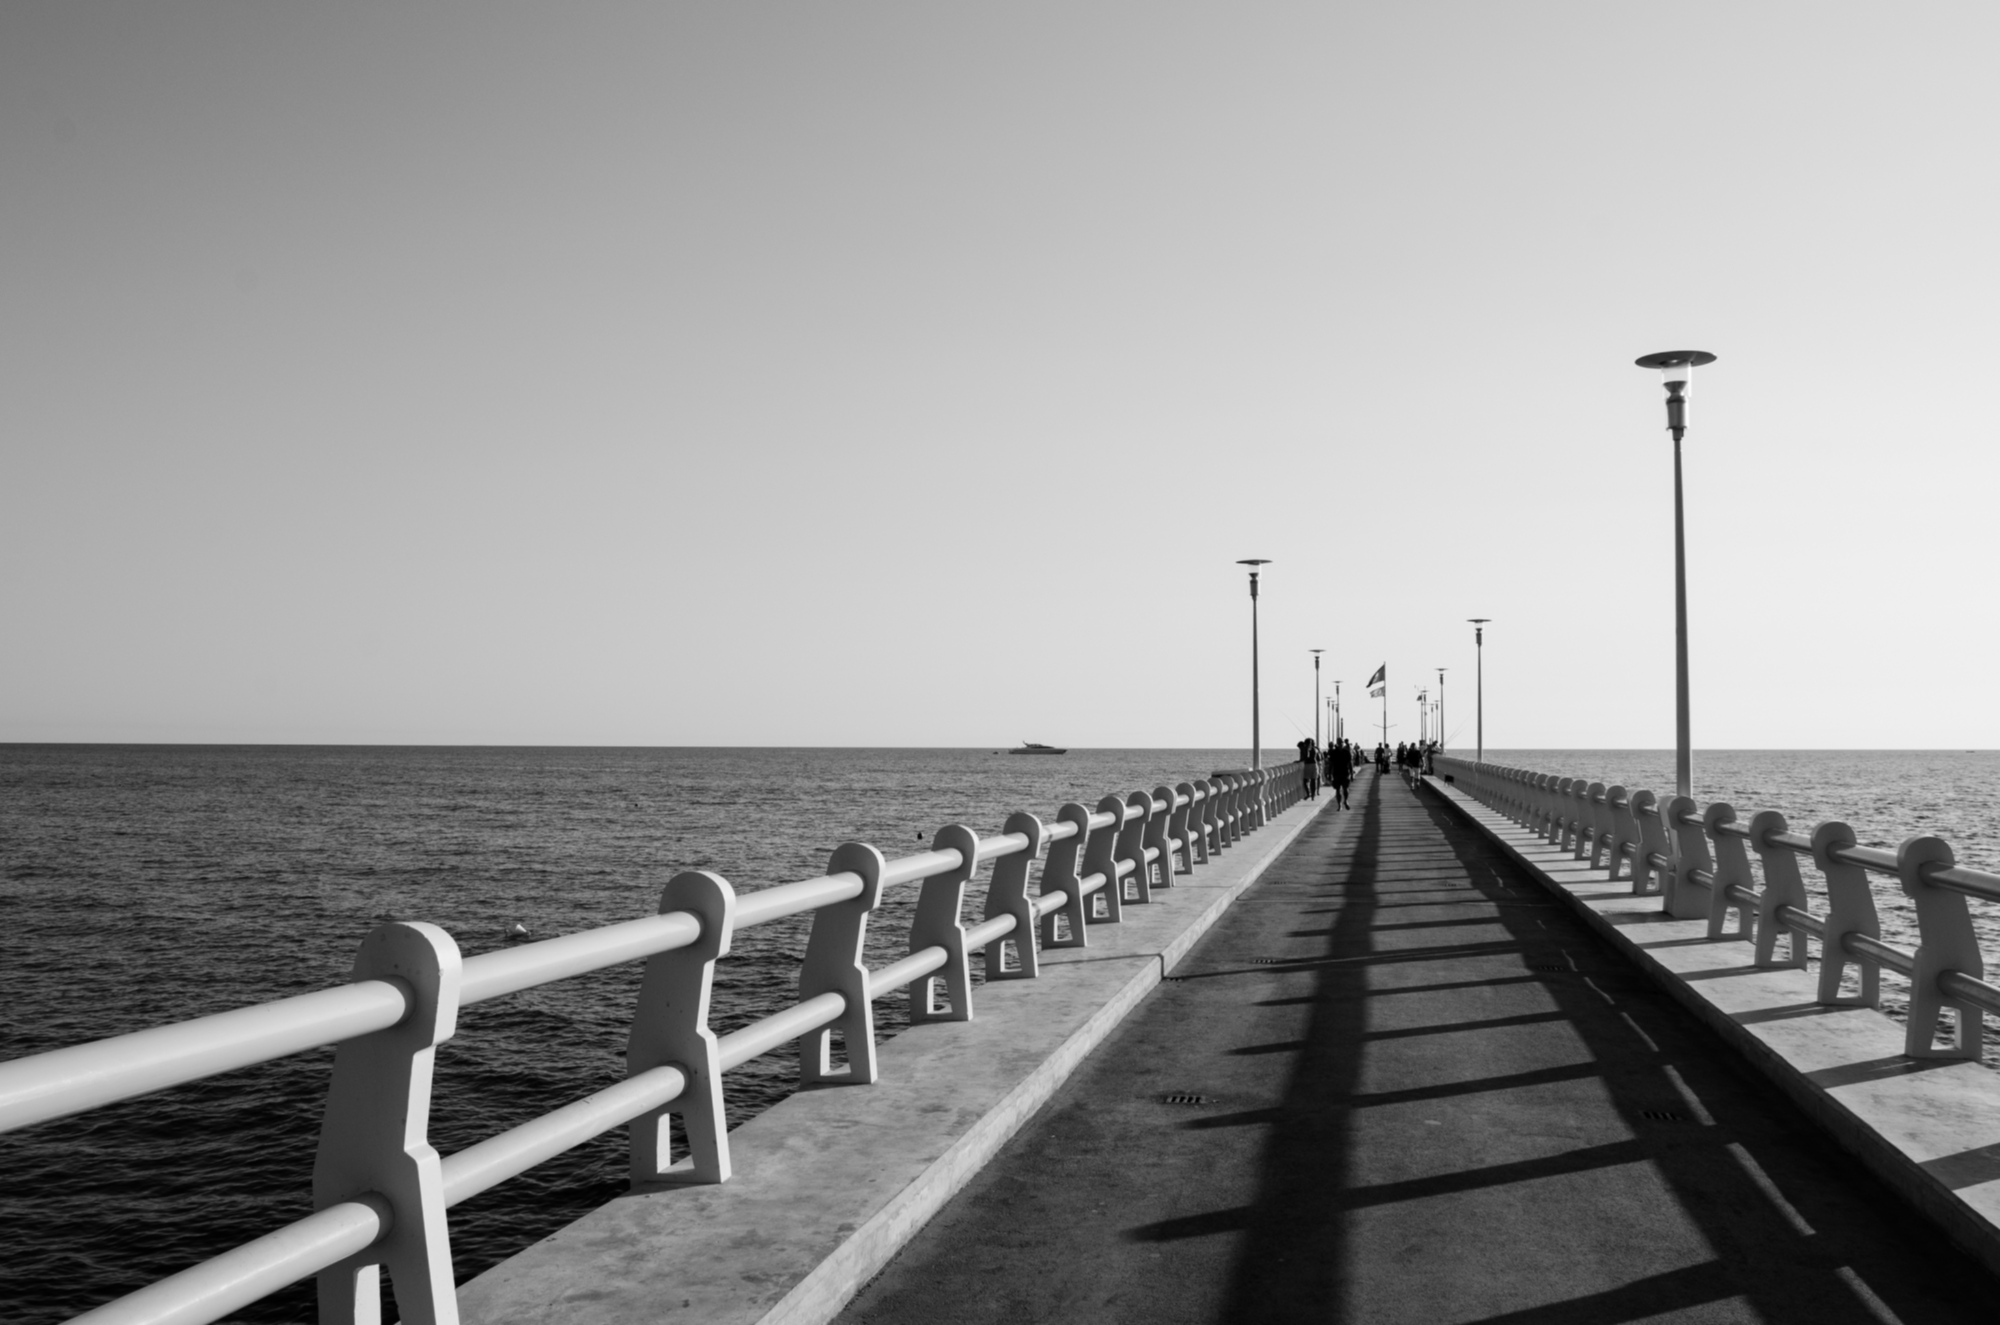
{"x":1399,"y":1082}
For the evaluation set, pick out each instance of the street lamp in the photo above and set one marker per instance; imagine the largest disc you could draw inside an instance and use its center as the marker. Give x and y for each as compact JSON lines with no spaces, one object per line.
{"x":1256,"y":726}
{"x":1423,"y":716}
{"x":1315,"y":653}
{"x":1676,"y":367}
{"x":1441,"y":672}
{"x":1479,"y":683}
{"x":1339,"y":727}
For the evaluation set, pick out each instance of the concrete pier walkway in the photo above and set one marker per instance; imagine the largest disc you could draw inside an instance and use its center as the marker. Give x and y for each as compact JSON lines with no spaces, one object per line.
{"x":1398,"y":1082}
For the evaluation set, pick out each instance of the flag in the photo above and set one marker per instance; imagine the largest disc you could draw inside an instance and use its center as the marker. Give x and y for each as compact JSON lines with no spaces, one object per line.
{"x":1381,"y":675}
{"x":1377,"y":692}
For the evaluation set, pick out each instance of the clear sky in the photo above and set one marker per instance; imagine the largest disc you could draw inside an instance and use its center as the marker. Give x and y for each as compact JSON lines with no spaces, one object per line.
{"x":914,"y":374}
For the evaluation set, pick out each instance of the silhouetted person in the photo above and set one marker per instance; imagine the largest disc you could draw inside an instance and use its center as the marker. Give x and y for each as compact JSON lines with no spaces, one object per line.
{"x":1340,"y":771}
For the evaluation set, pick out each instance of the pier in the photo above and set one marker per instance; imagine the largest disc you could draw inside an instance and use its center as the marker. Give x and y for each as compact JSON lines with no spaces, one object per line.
{"x":1493,"y":1045}
{"x":1403,"y":1083}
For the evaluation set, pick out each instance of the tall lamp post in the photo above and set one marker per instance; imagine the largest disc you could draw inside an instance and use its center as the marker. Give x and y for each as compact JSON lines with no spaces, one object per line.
{"x":1676,"y":367}
{"x":1315,"y":653}
{"x":1479,"y":683}
{"x":1441,"y":672}
{"x":1256,"y":724}
{"x":1339,"y":727}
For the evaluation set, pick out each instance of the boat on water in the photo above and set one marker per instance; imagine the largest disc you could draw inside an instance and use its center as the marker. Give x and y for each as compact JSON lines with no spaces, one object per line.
{"x":1031,"y":748}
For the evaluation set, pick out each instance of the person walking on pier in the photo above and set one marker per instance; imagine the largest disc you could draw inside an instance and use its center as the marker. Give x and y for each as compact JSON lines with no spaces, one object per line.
{"x":1340,"y":772}
{"x":1309,"y":757}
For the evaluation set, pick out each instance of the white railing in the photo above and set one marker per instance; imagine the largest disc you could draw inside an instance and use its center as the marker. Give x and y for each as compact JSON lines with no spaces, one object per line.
{"x":380,"y":1191}
{"x":1699,"y":861}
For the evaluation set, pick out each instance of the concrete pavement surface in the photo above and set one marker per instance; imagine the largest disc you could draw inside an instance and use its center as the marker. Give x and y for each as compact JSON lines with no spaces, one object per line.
{"x":1398,"y":1082}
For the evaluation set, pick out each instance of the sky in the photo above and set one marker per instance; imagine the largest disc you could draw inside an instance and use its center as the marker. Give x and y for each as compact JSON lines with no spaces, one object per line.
{"x":916,"y":374}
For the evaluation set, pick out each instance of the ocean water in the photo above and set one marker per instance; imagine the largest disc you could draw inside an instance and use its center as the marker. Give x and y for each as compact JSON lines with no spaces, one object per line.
{"x":148,"y":884}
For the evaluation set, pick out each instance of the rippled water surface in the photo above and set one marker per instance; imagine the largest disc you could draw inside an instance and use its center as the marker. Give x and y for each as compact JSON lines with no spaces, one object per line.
{"x":146,"y":884}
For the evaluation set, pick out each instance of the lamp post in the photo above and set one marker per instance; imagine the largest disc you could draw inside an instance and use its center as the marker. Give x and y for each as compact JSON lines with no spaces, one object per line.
{"x":1423,"y":716}
{"x":1339,"y":727}
{"x":1441,"y":672}
{"x":1479,"y":682}
{"x":1676,"y":367}
{"x":1315,"y":653}
{"x":1256,"y":726}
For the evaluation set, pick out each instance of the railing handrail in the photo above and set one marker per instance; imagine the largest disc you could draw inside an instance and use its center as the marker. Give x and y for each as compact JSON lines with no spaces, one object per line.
{"x":78,"y":1078}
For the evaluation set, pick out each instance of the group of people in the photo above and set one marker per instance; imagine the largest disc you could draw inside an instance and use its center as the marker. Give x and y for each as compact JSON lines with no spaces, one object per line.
{"x":1415,"y":757}
{"x":1336,"y":763}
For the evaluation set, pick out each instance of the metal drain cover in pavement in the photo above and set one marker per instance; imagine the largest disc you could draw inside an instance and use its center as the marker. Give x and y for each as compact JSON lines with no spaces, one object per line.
{"x":1550,"y":966}
{"x":1663,"y":1115}
{"x":1186,"y":1097}
{"x":1275,"y":961}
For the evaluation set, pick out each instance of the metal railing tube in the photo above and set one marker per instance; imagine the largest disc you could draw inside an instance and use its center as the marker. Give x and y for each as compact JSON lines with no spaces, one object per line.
{"x":923,"y":865}
{"x":211,"y":1290}
{"x":900,"y":973}
{"x":1803,"y":922}
{"x":1963,"y":987}
{"x":510,"y":970}
{"x":987,"y":931}
{"x":88,"y":1076}
{"x":1959,"y":879}
{"x":1875,"y":950}
{"x":498,"y":1158}
{"x":789,"y":899}
{"x":761,"y":1037}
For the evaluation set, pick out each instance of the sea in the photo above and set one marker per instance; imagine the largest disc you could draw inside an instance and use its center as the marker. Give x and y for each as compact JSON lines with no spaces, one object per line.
{"x":145,"y":884}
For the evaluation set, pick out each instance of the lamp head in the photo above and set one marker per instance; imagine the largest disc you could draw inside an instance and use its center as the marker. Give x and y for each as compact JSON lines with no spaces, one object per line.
{"x":1675,"y":365}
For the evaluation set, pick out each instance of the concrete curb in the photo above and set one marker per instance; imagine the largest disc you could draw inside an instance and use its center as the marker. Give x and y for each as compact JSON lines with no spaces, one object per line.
{"x":831,"y":1183}
{"x":1929,"y":1128}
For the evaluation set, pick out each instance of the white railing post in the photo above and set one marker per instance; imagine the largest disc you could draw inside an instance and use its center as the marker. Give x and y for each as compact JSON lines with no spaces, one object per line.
{"x":670,"y":1029}
{"x":940,"y":923}
{"x":1571,"y":838}
{"x":1597,"y":814}
{"x":1100,"y":856}
{"x":1159,"y":837}
{"x":1624,"y":829}
{"x":1007,"y":895}
{"x":1060,"y":874}
{"x":1850,"y":910}
{"x":1732,"y":870}
{"x":375,"y":1142}
{"x":1686,"y":899}
{"x":1132,"y":846}
{"x":1186,"y":827}
{"x":1782,"y":887}
{"x":834,"y":965}
{"x":1945,"y":943}
{"x":1652,"y":842}
{"x":1201,"y":821}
